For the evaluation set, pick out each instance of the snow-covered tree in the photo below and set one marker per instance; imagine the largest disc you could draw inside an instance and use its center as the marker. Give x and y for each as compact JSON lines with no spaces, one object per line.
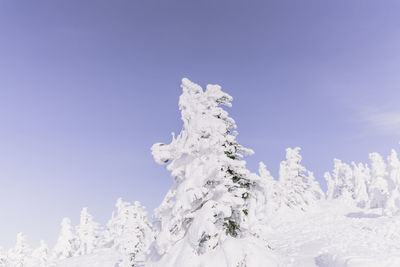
{"x":299,"y":185}
{"x":378,"y":189}
{"x":330,"y":186}
{"x":41,"y":256}
{"x":393,"y":167}
{"x":129,"y":230}
{"x":3,"y":258}
{"x":66,"y":245}
{"x":349,"y":183}
{"x":342,"y":176}
{"x":272,"y":192}
{"x":88,"y":233}
{"x":18,"y":256}
{"x":361,"y":177}
{"x":393,"y":170}
{"x":208,"y":202}
{"x":265,"y":201}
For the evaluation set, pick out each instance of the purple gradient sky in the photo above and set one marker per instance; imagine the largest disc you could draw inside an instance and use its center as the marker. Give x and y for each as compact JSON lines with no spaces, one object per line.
{"x":86,"y":87}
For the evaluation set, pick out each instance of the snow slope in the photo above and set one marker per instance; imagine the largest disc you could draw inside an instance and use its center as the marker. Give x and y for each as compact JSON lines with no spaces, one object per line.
{"x":335,"y":235}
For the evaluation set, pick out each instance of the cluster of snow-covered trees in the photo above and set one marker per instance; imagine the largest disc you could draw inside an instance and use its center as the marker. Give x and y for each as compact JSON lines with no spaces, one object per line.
{"x":374,"y":186}
{"x":128,"y":231}
{"x":217,"y":210}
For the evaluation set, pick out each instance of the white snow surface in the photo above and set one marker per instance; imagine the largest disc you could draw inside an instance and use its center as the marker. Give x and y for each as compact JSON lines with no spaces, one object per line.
{"x":336,"y":235}
{"x":331,"y":235}
{"x":101,"y":258}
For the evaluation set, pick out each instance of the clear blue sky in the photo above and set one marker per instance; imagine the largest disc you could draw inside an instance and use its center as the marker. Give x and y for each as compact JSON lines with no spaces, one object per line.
{"x":86,"y":87}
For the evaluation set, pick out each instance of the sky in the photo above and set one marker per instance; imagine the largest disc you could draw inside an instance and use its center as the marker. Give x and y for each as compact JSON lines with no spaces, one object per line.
{"x":86,"y":87}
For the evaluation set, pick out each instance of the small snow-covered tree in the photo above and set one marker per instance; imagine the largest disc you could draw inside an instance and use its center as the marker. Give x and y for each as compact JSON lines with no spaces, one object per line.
{"x":270,"y":188}
{"x":272,"y":193}
{"x":129,"y":230}
{"x":3,"y":258}
{"x":348,"y":184}
{"x":299,"y":185}
{"x":66,"y":245}
{"x":87,"y":233}
{"x":342,"y":176}
{"x":330,"y":186}
{"x":209,"y":199}
{"x":361,"y":177}
{"x":18,"y":256}
{"x":393,"y":167}
{"x":265,"y":201}
{"x":40,"y":256}
{"x":378,"y":189}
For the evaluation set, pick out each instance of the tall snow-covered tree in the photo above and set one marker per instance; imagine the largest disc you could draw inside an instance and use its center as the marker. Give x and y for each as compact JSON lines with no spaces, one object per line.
{"x":209,"y":199}
{"x":129,"y":230}
{"x":18,"y":256}
{"x":41,"y":256}
{"x":88,"y":233}
{"x":66,"y":245}
{"x":300,"y":187}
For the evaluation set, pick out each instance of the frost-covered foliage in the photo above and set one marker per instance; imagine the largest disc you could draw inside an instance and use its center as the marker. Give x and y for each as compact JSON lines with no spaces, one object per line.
{"x":378,"y":189}
{"x":372,"y":187}
{"x":129,"y":230}
{"x":87,"y":233}
{"x":270,"y":195}
{"x":41,"y":256}
{"x":300,"y":189}
{"x":361,"y":180}
{"x":3,"y":258}
{"x":19,"y":255}
{"x":209,"y":201}
{"x":66,"y":245}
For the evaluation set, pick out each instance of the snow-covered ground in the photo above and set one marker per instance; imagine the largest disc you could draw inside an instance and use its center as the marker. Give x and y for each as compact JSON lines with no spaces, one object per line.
{"x":336,"y":235}
{"x":103,"y":258}
{"x":331,"y":235}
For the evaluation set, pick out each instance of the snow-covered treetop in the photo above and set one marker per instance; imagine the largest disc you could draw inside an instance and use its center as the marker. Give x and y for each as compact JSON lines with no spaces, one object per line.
{"x":291,"y":167}
{"x":202,"y":116}
{"x":378,"y":165}
{"x":264,"y":172}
